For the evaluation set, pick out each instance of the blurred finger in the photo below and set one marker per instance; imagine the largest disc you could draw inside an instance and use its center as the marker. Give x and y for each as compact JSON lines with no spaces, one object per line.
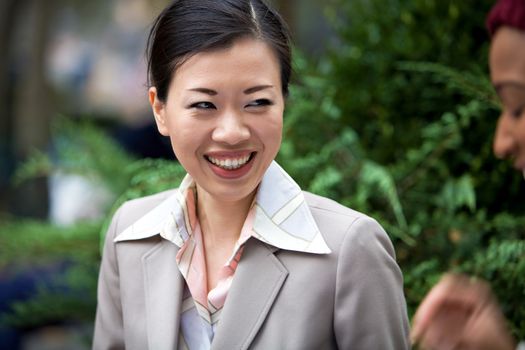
{"x":431,"y":304}
{"x":463,"y":293}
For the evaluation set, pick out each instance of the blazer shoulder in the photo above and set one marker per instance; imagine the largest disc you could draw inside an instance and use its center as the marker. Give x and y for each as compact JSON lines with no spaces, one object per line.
{"x":132,"y":210}
{"x":328,"y":207}
{"x":338,"y":223}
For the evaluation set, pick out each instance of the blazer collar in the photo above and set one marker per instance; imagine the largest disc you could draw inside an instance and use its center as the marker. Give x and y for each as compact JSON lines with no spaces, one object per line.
{"x":163,"y":288}
{"x":282,"y":218}
{"x":249,"y":299}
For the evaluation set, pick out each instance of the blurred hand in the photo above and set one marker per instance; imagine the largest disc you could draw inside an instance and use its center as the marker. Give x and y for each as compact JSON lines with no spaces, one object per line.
{"x":460,"y":313}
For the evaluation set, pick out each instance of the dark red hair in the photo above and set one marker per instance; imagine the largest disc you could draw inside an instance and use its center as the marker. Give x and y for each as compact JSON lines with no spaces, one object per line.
{"x":510,"y":13}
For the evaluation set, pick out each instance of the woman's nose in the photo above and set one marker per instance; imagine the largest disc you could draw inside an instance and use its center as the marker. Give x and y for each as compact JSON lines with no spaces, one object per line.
{"x":504,"y":145}
{"x":231,"y":129}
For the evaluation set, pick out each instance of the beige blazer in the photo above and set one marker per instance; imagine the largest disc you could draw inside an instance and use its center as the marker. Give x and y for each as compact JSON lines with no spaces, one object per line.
{"x":351,"y":298}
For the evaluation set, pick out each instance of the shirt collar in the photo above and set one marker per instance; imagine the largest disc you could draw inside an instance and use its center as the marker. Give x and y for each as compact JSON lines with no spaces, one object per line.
{"x":282,"y":217}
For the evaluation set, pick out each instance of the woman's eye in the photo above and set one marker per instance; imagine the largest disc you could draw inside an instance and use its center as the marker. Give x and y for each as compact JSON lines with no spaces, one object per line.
{"x":517,"y":112}
{"x":203,"y":105}
{"x":260,"y":102}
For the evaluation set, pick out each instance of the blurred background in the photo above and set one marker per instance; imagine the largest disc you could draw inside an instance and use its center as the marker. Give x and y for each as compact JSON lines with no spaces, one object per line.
{"x":391,"y":113}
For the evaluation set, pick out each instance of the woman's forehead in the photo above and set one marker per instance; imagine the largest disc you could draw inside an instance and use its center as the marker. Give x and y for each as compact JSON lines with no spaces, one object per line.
{"x":507,"y":56}
{"x":248,"y":59}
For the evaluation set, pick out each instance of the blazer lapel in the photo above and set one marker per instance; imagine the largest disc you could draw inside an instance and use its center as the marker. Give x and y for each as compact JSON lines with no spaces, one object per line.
{"x":256,"y":283}
{"x":163,"y":292}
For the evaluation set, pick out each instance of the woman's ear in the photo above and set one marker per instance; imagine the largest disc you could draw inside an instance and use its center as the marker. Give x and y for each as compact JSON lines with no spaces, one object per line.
{"x":159,"y":111}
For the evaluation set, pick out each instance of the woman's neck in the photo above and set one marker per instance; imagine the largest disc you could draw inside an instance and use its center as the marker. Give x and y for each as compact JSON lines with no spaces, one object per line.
{"x":221,"y":222}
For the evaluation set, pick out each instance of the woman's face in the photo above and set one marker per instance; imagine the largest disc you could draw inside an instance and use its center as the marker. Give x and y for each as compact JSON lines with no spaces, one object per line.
{"x":223,"y":114}
{"x":507,"y":70}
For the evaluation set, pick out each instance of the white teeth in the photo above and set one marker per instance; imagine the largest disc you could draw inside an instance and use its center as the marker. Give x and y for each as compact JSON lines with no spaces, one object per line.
{"x":230,"y":163}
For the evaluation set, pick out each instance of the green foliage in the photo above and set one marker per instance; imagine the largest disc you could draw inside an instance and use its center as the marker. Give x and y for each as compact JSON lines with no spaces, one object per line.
{"x":35,"y":242}
{"x":68,"y":295}
{"x":466,"y":83}
{"x":397,"y":121}
{"x":420,"y":279}
{"x":148,"y":176}
{"x":70,"y":251}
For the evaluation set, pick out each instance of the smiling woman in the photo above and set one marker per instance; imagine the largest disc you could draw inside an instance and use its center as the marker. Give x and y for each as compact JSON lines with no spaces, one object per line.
{"x":223,"y":114}
{"x":238,"y":256}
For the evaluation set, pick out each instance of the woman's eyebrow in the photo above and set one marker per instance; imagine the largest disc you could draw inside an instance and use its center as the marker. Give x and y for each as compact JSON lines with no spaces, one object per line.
{"x":247,"y":91}
{"x":502,"y":84}
{"x":204,"y":91}
{"x":257,"y":88}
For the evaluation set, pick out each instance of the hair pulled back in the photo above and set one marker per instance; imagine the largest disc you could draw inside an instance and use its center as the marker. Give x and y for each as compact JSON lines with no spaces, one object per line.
{"x":187,"y":27}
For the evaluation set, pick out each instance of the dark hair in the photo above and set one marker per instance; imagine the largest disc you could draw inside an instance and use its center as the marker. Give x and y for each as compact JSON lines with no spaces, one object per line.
{"x":187,"y":27}
{"x":509,"y":13}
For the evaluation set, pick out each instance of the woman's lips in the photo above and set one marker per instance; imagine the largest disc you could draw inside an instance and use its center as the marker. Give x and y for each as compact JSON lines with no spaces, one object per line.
{"x":230,"y":165}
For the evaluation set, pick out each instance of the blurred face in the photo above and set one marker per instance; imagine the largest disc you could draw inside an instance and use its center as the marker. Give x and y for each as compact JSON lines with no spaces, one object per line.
{"x":507,"y":71}
{"x":223,"y":114}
